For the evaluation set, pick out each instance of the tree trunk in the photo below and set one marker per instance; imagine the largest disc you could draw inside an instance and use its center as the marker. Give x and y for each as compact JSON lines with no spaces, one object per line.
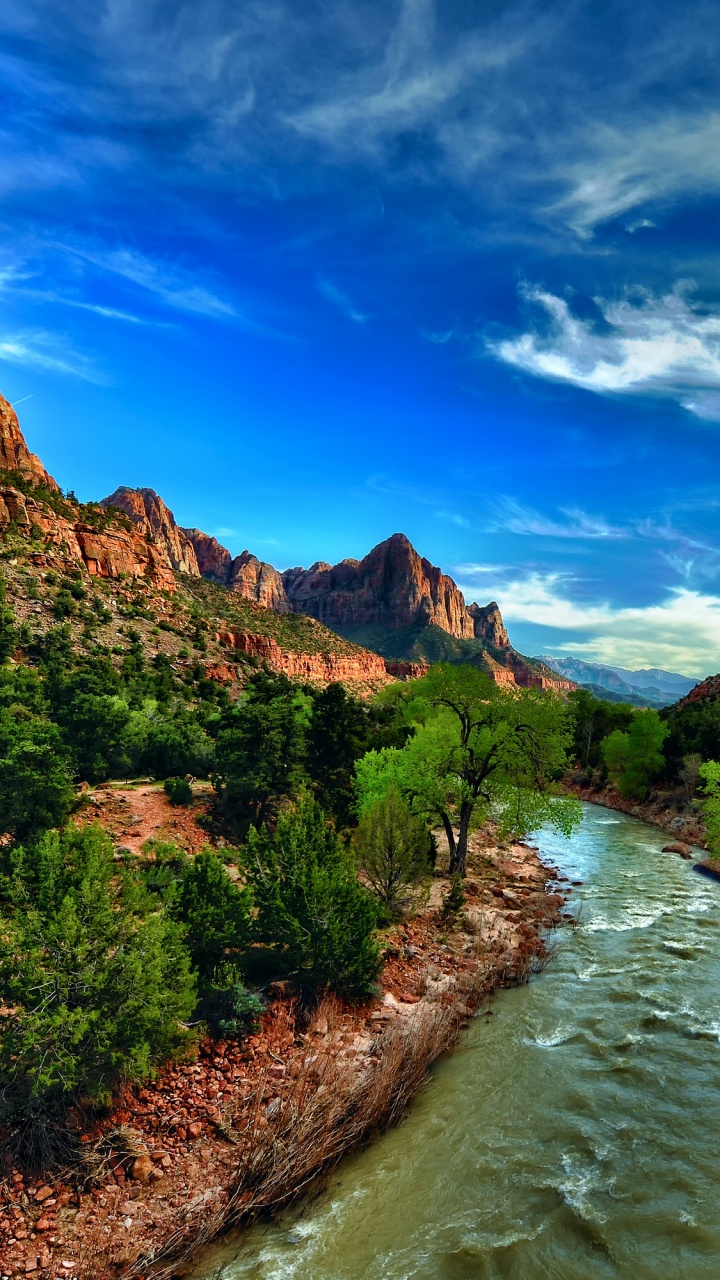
{"x":447,"y":824}
{"x":460,"y":859}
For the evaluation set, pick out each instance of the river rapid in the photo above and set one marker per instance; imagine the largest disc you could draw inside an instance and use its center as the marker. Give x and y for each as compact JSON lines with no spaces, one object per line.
{"x":574,"y":1133}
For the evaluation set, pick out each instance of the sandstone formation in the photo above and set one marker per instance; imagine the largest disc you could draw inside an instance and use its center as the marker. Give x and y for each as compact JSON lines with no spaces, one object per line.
{"x":157,"y":524}
{"x":251,"y":578}
{"x":105,"y":553}
{"x":391,"y":587}
{"x":14,"y":453}
{"x":214,"y":561}
{"x":707,"y":691}
{"x":488,"y":625}
{"x":361,"y":668}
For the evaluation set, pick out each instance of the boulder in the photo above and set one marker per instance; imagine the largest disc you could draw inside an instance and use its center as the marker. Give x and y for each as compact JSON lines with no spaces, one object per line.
{"x":678,"y":846}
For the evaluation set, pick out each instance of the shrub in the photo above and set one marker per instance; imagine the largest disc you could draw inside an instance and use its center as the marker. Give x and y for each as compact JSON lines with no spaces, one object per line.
{"x":228,"y":1008}
{"x":98,"y":991}
{"x":311,"y":908}
{"x":178,"y":790}
{"x":392,"y":848}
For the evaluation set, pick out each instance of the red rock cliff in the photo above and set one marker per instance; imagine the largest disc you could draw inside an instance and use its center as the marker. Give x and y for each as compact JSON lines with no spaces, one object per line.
{"x":14,"y":453}
{"x":391,"y":587}
{"x":157,"y":524}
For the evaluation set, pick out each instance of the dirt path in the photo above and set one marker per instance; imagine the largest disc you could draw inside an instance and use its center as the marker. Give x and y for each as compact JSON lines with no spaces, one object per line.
{"x":134,"y":814}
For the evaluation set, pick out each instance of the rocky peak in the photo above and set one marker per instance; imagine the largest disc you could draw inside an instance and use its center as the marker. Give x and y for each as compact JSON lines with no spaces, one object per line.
{"x":157,"y":522}
{"x":14,"y":453}
{"x":392,"y":586}
{"x":214,"y":560}
{"x":488,"y":624}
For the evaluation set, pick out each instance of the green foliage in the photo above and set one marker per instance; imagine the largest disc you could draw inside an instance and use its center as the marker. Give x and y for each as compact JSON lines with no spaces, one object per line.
{"x":98,"y":989}
{"x":633,"y":759}
{"x":8,"y":630}
{"x":260,"y":749}
{"x":228,"y":1008}
{"x":311,"y":909}
{"x":392,"y":848}
{"x":710,"y":776}
{"x":693,"y":729}
{"x":338,"y":734}
{"x":178,"y":790}
{"x":214,"y":912}
{"x":592,"y":720}
{"x":35,"y":785}
{"x":482,"y":750}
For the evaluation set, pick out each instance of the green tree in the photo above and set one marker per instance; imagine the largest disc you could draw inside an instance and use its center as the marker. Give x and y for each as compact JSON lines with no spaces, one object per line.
{"x":633,"y":759}
{"x":311,"y":909}
{"x":338,"y":734}
{"x":98,"y":991}
{"x":710,"y":776}
{"x":593,"y":720}
{"x":485,"y":750}
{"x":260,"y":750}
{"x":392,"y":848}
{"x":35,"y":782}
{"x":215,"y":914}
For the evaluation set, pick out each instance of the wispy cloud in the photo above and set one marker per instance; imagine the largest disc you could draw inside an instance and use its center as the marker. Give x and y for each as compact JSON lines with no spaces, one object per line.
{"x":515,"y":517}
{"x":340,"y":299}
{"x":642,"y":344}
{"x":175,"y":288}
{"x":632,"y":162}
{"x":39,"y":350}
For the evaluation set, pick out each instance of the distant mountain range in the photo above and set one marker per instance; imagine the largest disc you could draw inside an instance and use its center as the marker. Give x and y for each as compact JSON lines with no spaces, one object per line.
{"x":649,"y":687}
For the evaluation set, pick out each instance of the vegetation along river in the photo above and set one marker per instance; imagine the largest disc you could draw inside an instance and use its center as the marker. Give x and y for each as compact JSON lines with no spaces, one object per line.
{"x":575,"y":1132}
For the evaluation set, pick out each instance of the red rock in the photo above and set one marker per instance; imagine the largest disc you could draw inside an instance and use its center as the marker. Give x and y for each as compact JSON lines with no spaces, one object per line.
{"x":155,"y":521}
{"x":194,"y":1130}
{"x":43,"y":1224}
{"x":678,"y":846}
{"x":43,"y":1193}
{"x":14,"y":453}
{"x":141,"y":1168}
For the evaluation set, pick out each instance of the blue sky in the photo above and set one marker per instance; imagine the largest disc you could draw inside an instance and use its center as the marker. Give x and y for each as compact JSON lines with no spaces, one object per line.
{"x":319,"y":272}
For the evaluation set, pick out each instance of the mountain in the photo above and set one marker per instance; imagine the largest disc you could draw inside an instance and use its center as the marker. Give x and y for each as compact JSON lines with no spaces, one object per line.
{"x":386,"y":615}
{"x":14,"y":453}
{"x":655,"y":687}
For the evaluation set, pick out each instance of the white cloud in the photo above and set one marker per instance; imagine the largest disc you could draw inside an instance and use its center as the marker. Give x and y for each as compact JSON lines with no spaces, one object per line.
{"x":625,"y":164}
{"x":681,"y":632}
{"x":38,"y":350}
{"x":513,"y":517}
{"x":663,"y":346}
{"x":174,"y":287}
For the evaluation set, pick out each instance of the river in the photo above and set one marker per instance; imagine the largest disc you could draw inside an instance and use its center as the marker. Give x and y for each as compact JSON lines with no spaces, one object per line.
{"x":574,"y":1133}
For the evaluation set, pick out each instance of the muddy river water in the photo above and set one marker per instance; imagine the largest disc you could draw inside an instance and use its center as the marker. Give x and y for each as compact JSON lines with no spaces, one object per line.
{"x":575,"y":1133}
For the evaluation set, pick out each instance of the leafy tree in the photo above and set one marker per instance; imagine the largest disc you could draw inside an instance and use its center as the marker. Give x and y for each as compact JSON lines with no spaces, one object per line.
{"x":215,"y":914}
{"x":260,"y":749}
{"x":311,"y":908}
{"x":95,"y":729}
{"x":710,"y":775}
{"x":633,"y":759}
{"x":35,"y":786}
{"x":593,"y":720}
{"x":392,"y":848}
{"x":485,"y":749}
{"x":98,"y":992}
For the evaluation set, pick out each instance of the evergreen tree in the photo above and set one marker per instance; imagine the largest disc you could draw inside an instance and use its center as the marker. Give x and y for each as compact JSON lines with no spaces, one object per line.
{"x":97,"y":990}
{"x":392,"y":848}
{"x":311,"y":908}
{"x":215,"y":914}
{"x":35,"y":787}
{"x":8,"y":629}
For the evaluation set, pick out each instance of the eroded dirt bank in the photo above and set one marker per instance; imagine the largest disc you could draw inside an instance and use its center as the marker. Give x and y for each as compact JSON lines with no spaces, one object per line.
{"x":247,"y":1127}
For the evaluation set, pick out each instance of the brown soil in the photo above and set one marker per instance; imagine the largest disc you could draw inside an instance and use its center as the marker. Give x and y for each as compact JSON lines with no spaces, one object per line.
{"x":197,"y":1150}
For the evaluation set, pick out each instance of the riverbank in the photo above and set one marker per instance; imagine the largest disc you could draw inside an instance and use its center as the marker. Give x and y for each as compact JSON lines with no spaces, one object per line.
{"x":249,"y":1127}
{"x":670,"y":812}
